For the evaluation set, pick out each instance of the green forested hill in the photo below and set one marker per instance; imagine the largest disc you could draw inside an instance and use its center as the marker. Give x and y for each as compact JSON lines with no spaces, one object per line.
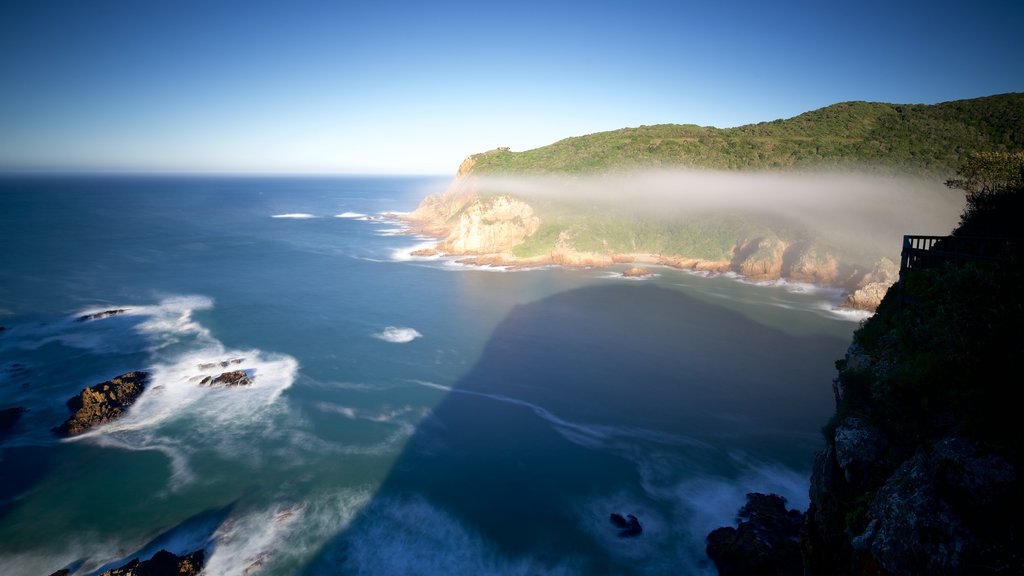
{"x":914,"y":138}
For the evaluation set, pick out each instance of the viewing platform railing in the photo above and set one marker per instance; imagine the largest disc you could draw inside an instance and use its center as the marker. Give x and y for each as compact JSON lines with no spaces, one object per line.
{"x":930,"y":251}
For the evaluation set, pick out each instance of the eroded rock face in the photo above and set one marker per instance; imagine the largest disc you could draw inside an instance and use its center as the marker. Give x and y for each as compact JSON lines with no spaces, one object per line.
{"x":873,"y":286}
{"x":765,"y":542}
{"x":932,"y":515}
{"x":163,"y":563}
{"x":102,"y":403}
{"x":492,"y":224}
{"x":944,"y":505}
{"x":760,"y":259}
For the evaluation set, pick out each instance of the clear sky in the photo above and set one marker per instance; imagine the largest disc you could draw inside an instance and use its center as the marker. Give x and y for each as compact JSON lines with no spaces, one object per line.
{"x":330,"y":86}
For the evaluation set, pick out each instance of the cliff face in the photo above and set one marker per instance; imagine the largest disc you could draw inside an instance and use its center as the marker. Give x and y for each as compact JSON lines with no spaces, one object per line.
{"x":489,"y":225}
{"x":433,"y":214}
{"x":885,"y":504}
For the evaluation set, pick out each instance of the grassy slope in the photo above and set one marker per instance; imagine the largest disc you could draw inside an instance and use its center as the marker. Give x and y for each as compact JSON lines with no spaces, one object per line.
{"x":930,"y":140}
{"x":912,"y":138}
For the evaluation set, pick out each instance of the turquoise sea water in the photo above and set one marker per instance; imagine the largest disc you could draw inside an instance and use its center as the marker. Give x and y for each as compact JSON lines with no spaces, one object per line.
{"x":408,"y":415}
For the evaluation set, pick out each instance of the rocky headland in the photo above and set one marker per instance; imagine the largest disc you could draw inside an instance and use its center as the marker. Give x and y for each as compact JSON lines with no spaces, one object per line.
{"x":102,"y":403}
{"x":482,"y":228}
{"x":921,"y":472}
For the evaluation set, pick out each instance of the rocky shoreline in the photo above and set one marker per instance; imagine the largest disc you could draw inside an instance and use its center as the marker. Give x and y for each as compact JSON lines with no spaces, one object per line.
{"x":483,"y":231}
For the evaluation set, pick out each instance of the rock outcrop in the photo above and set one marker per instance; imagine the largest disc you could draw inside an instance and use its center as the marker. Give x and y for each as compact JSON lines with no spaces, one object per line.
{"x":872,"y":287}
{"x":636,"y":272}
{"x":628,"y":526}
{"x":102,"y":403}
{"x":760,"y":259}
{"x":486,"y":229}
{"x":163,"y":563}
{"x":491,"y":224}
{"x":766,"y":542}
{"x":894,"y":505}
{"x":101,"y":315}
{"x":228,"y":379}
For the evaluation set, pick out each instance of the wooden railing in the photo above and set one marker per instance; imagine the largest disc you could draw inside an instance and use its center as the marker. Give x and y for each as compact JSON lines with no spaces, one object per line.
{"x":930,"y":251}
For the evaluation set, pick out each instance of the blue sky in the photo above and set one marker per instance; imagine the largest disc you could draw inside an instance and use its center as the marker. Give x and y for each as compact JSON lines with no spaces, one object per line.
{"x":390,"y":87}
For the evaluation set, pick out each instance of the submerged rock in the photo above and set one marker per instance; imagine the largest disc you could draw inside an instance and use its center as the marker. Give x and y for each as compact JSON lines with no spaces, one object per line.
{"x":102,"y":403}
{"x":163,"y":563}
{"x":765,"y":542}
{"x":101,"y":315}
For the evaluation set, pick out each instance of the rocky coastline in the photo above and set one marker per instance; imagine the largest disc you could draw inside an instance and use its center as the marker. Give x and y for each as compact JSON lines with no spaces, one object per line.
{"x":484,"y":230}
{"x":102,"y":403}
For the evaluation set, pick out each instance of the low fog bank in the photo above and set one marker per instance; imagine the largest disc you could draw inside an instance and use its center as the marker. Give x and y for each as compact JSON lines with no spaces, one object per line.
{"x":866,"y":212}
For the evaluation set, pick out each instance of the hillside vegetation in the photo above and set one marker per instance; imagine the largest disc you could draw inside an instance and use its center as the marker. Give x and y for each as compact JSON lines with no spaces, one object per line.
{"x":906,"y":138}
{"x":488,"y":215}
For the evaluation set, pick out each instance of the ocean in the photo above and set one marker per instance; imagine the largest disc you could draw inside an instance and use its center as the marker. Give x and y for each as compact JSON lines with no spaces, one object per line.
{"x":407,"y":415}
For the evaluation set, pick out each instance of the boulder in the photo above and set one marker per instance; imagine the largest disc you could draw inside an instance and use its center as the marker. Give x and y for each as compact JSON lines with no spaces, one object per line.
{"x":102,"y":403}
{"x":766,"y":542}
{"x":233,"y":378}
{"x":629,"y":526}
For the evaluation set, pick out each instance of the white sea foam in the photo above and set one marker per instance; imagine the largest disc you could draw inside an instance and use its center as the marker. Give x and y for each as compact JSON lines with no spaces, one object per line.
{"x":404,"y":254}
{"x":846,"y":313}
{"x":398,"y":335}
{"x":275,"y":538}
{"x":295,"y":215}
{"x":412,"y":536}
{"x":350,"y":215}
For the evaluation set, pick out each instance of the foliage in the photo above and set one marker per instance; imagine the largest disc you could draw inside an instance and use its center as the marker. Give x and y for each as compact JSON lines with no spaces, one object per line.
{"x":951,"y":338}
{"x":987,"y":173}
{"x":916,"y":138}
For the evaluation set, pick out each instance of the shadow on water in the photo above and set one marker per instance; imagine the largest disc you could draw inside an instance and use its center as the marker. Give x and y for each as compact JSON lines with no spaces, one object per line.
{"x":597,"y":400}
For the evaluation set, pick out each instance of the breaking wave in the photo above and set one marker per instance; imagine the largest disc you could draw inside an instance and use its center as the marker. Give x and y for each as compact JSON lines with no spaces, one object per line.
{"x":397,"y":335}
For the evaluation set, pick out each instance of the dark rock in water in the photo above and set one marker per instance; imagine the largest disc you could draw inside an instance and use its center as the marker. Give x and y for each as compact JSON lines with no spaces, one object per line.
{"x":765,"y":542}
{"x":163,"y":563}
{"x":102,"y":403}
{"x":8,"y":418}
{"x":233,"y":378}
{"x":633,"y":529}
{"x":62,"y":572}
{"x":628,"y":528}
{"x":101,"y":315}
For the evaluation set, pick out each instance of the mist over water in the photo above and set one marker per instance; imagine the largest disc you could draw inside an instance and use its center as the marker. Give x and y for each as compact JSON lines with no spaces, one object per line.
{"x":407,"y":415}
{"x":862,"y":212}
